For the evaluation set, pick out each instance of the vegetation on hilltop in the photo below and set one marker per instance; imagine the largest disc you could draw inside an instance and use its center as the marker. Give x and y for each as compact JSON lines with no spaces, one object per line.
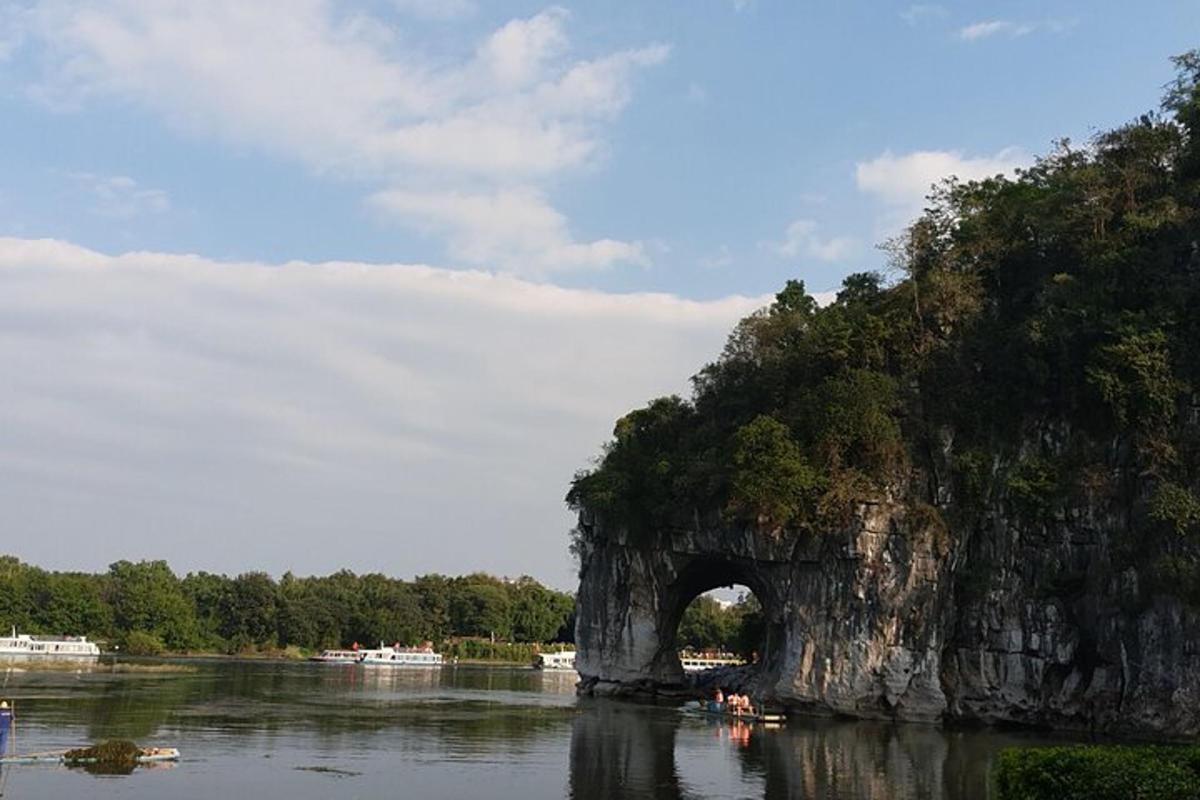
{"x":1041,"y":342}
{"x":145,"y":608}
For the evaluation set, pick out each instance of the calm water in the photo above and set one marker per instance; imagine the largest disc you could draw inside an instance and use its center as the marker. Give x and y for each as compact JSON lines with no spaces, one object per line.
{"x":268,"y":730}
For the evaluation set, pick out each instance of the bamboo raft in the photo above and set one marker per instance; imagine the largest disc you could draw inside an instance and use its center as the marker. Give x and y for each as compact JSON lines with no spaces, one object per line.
{"x":757,"y":717}
{"x":149,"y":755}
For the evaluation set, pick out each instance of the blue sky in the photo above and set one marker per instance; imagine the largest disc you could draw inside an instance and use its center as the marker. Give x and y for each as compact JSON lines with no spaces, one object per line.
{"x":754,"y":117}
{"x":701,"y":151}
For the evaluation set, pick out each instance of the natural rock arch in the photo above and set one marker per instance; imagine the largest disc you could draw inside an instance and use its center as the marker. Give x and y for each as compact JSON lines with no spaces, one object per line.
{"x":851,"y":621}
{"x":882,"y":619}
{"x":847,"y":623}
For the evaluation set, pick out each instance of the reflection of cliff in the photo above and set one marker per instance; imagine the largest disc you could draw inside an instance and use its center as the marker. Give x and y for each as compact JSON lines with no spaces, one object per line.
{"x":871,"y":761}
{"x":623,"y":750}
{"x":853,"y":760}
{"x":620,"y":750}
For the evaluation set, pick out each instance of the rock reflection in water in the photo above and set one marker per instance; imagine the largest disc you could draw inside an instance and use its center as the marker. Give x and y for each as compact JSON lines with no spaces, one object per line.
{"x":625,"y":750}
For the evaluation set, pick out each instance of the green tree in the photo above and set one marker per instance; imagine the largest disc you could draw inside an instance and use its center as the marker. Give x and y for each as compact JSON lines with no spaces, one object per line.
{"x":772,"y":481}
{"x":249,"y":611}
{"x":479,"y":606}
{"x":147,"y":597}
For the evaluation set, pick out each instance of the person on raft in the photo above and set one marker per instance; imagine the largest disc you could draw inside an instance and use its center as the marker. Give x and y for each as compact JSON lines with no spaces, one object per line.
{"x":717,"y":704}
{"x":6,"y":726}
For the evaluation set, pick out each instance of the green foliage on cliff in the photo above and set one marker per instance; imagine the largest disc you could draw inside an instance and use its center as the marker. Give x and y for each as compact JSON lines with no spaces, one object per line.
{"x":771,"y":480}
{"x":1039,"y":340}
{"x":145,"y":608}
{"x":1099,"y":772}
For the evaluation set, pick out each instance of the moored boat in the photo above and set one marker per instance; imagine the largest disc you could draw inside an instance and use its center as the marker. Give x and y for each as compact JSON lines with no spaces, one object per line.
{"x":555,"y":662}
{"x":396,"y":656}
{"x":24,"y":646}
{"x":338,"y":657}
{"x":698,"y":663}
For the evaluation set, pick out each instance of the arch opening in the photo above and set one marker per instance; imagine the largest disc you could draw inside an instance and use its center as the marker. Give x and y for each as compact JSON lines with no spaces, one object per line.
{"x":723,"y":624}
{"x":722,"y":619}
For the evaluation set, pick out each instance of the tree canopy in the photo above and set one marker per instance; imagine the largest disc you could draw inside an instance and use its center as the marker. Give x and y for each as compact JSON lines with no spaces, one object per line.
{"x":146,"y":608}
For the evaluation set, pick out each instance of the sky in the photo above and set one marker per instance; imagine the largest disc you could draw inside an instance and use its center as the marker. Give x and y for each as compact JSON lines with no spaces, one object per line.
{"x":307,"y":285}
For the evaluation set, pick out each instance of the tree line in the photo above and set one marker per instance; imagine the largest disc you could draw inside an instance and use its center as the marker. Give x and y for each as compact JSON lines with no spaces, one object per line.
{"x":709,"y":625}
{"x":144,"y":607}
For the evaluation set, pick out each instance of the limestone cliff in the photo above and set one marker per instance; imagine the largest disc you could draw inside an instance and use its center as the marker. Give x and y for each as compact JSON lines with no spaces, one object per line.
{"x":1007,"y":620}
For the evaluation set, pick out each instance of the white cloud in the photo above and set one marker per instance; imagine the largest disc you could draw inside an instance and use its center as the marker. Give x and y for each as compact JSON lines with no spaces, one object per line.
{"x":902,"y":182}
{"x":517,"y":54}
{"x":918,"y":12}
{"x":313,"y":416}
{"x":519,"y":224}
{"x":121,"y":197}
{"x":722,"y":258}
{"x":993,"y":27}
{"x":802,"y":239}
{"x":1003,"y":27}
{"x":347,"y":95}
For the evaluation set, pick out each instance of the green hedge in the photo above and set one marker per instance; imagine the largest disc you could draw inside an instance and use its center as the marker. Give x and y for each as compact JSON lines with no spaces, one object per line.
{"x":1099,"y":772}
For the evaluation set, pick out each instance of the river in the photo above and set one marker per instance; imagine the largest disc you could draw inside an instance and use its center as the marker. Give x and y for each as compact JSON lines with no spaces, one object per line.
{"x":271,"y":730}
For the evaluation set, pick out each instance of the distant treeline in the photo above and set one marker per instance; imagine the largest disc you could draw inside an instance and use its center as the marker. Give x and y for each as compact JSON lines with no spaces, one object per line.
{"x":145,"y":607}
{"x":731,"y":628}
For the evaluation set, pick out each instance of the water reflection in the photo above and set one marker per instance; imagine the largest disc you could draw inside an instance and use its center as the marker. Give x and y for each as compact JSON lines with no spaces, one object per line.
{"x":293,"y":730}
{"x":622,"y":750}
{"x":625,"y":750}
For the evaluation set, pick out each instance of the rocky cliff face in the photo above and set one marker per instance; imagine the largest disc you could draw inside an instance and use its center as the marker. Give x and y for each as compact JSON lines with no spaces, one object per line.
{"x":996,"y":618}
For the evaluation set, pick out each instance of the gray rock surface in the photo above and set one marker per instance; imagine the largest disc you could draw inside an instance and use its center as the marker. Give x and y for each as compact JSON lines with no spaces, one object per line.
{"x":901,"y":616}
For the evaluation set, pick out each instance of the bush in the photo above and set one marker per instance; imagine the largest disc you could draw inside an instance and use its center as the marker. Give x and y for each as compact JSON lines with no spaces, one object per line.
{"x":141,"y":643}
{"x":1110,"y":772}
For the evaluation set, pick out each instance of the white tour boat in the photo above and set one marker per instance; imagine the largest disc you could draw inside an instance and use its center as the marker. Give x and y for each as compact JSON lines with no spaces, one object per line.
{"x":24,"y":646}
{"x":694,"y":663}
{"x":555,"y":662}
{"x":401,"y":657}
{"x":338,"y":657}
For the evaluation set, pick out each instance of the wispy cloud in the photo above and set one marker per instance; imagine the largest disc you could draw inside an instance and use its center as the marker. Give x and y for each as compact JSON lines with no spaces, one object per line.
{"x":513,"y":229}
{"x":121,"y":197}
{"x":14,"y":23}
{"x":1008,"y":28}
{"x":436,"y":9}
{"x":345,"y":95}
{"x":802,"y":238}
{"x":722,"y":258}
{"x":919,"y":12}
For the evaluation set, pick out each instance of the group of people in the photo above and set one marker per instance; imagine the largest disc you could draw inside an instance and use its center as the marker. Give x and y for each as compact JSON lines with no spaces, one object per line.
{"x":733,"y":703}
